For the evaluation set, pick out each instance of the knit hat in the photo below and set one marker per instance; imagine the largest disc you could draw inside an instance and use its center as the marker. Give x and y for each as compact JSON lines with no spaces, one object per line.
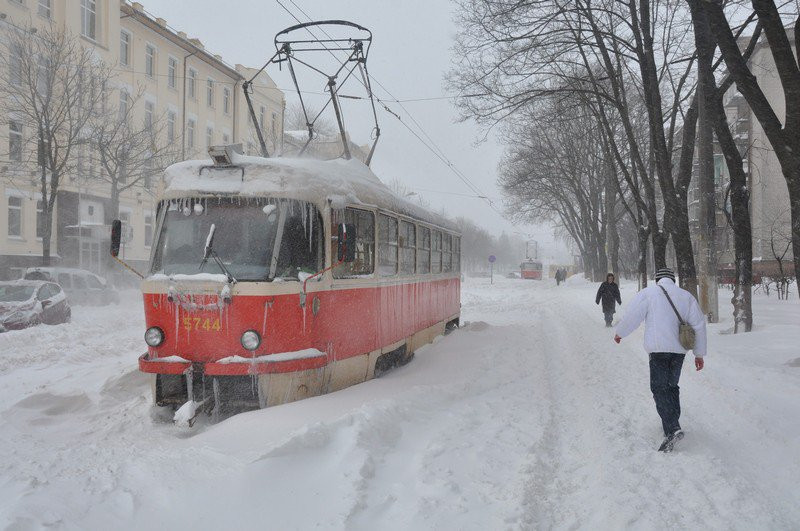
{"x":665,"y":273}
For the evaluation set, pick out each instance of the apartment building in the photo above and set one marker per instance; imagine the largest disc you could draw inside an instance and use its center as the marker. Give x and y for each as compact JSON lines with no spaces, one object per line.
{"x":194,"y":93}
{"x":769,"y":199}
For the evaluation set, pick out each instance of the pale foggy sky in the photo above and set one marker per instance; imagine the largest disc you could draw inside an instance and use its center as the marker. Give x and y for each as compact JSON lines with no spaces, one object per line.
{"x":409,"y":56}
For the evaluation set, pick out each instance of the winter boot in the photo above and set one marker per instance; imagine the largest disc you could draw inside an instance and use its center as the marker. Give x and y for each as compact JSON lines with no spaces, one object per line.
{"x":669,"y":442}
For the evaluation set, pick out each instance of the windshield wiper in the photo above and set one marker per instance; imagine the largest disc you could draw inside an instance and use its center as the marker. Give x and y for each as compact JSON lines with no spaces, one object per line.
{"x":208,"y":252}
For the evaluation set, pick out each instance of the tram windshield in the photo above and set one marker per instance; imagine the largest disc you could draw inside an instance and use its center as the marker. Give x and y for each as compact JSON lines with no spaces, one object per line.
{"x":531,"y":266}
{"x":255,"y":239}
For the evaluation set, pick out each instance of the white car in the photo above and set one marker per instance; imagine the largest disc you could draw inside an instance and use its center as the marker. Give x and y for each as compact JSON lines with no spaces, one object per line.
{"x":81,"y":286}
{"x":25,"y":303}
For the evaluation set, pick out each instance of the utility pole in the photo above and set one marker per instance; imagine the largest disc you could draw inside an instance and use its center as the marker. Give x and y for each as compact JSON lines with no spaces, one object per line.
{"x":707,"y":260}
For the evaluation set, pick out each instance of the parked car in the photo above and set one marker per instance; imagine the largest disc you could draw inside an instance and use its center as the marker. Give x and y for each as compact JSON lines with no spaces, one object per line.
{"x":81,"y":286}
{"x":25,"y":303}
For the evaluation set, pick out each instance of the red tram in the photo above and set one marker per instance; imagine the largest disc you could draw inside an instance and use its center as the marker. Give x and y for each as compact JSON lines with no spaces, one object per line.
{"x":273,"y":280}
{"x":531,"y":269}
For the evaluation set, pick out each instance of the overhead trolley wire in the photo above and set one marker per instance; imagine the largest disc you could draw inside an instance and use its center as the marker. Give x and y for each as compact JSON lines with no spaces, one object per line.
{"x":431,"y":145}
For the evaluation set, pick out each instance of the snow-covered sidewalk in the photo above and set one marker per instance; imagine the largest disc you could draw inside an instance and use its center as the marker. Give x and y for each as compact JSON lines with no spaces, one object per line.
{"x":529,"y":417}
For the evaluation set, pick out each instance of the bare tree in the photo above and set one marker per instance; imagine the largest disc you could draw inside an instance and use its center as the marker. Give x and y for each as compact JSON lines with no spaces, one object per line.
{"x":780,"y":241}
{"x":53,"y":86}
{"x":555,"y":171}
{"x":621,"y":57}
{"x":736,"y":194}
{"x":783,"y":135}
{"x":131,"y":150}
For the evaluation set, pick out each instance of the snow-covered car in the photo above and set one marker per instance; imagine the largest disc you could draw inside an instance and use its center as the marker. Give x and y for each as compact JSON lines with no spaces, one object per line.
{"x":80,"y":285}
{"x":25,"y":303}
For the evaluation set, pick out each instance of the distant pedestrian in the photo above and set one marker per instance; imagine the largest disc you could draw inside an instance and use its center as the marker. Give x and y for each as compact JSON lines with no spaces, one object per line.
{"x":608,"y":293}
{"x":559,"y":276}
{"x":674,"y":324}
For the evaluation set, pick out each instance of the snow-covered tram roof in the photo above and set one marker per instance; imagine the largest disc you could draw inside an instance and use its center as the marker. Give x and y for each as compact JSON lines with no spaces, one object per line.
{"x":342,"y":182}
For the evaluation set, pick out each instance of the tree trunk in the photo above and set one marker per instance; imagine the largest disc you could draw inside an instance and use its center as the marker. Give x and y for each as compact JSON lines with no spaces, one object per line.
{"x":740,"y":212}
{"x":613,"y":247}
{"x":46,"y":237}
{"x":114,"y":199}
{"x":659,"y":250}
{"x":47,"y":213}
{"x":684,"y":254}
{"x":602,"y":260}
{"x":794,"y":201}
{"x":706,"y":90}
{"x":642,"y":269}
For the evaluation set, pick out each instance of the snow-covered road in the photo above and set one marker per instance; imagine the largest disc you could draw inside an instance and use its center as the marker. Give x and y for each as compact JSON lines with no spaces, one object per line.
{"x":530,"y":417}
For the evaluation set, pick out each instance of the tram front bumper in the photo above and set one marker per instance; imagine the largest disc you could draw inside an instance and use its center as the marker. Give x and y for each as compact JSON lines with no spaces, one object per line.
{"x":238,"y":365}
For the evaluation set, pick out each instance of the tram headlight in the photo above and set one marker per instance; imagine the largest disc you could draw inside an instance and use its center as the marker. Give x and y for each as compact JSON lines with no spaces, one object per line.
{"x":251,"y":340}
{"x":154,"y":336}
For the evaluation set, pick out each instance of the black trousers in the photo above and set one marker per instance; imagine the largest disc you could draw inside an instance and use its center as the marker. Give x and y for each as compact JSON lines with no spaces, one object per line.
{"x":665,"y":371}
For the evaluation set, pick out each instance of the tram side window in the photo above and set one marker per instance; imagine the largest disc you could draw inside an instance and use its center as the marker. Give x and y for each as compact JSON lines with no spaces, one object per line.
{"x":424,"y":251}
{"x":447,"y":253}
{"x":408,"y":247}
{"x":364,"y":263}
{"x":387,"y":245}
{"x":436,"y":252}
{"x":456,"y":254}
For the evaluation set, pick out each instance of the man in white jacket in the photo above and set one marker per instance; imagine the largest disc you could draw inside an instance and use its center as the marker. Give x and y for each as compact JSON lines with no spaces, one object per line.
{"x":662,"y":342}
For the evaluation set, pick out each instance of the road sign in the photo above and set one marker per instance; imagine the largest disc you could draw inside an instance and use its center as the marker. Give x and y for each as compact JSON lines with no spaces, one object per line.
{"x":492,"y":258}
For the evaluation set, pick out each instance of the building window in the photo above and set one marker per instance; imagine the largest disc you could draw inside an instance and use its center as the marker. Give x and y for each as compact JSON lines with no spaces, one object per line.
{"x":15,"y":216}
{"x":42,"y":76}
{"x":209,"y":136}
{"x":123,"y":104}
{"x":150,"y":60}
{"x":148,"y":230}
{"x":40,"y":219}
{"x":148,"y":171}
{"x":364,"y":222}
{"x":170,"y":127}
{"x":456,"y":254}
{"x":226,"y":100}
{"x":44,"y":8}
{"x":190,"y":133}
{"x":89,"y":19}
{"x":149,"y":113}
{"x":408,"y":247}
{"x":225,"y":139}
{"x":124,"y":48}
{"x":15,"y":141}
{"x":387,"y":245}
{"x":210,"y":92}
{"x":172,"y":72}
{"x":191,"y":83}
{"x":424,"y":250}
{"x":15,"y":65}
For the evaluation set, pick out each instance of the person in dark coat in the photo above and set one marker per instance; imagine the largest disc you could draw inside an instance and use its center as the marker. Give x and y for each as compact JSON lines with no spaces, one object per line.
{"x":609,"y":294}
